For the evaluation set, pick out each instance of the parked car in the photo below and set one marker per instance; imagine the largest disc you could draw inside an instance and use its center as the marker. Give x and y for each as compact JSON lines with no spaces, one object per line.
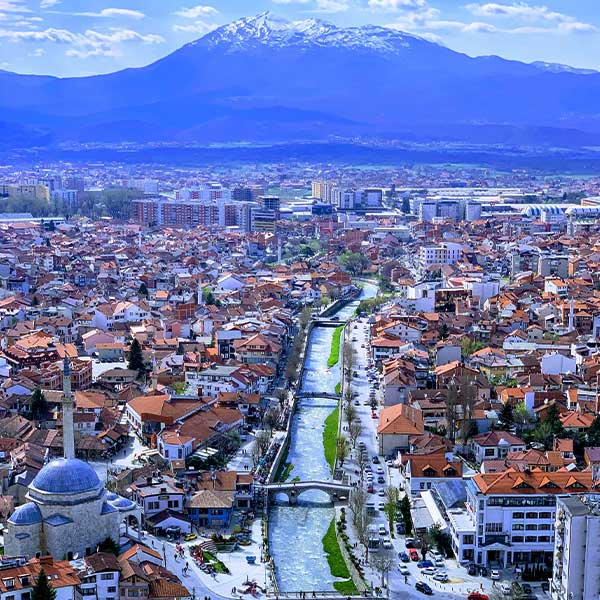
{"x":379,"y":470}
{"x":370,"y":488}
{"x":526,"y":588}
{"x":381,"y":479}
{"x":422,"y":587}
{"x":381,"y":493}
{"x":472,"y":569}
{"x":375,"y":460}
{"x":441,"y":576}
{"x":506,"y":588}
{"x":387,"y":543}
{"x":424,"y":564}
{"x":409,"y":542}
{"x":400,"y":529}
{"x":429,"y":571}
{"x":439,"y":562}
{"x":382,"y":529}
{"x":495,"y":575}
{"x":414,"y":555}
{"x":477,"y":596}
{"x":403,"y":557}
{"x":403,"y":569}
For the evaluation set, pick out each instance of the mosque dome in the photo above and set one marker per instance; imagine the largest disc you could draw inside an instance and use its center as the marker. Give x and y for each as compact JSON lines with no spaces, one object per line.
{"x":26,"y":514}
{"x":123,"y":503}
{"x":66,"y":476}
{"x":110,"y":496}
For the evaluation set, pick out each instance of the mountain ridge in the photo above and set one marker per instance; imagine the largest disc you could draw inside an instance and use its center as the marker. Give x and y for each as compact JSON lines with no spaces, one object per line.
{"x":309,"y":79}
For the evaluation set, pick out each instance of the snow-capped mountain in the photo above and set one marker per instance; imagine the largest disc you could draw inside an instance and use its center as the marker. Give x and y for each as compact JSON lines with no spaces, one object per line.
{"x":265,"y":78}
{"x":560,"y":68}
{"x":267,"y":29}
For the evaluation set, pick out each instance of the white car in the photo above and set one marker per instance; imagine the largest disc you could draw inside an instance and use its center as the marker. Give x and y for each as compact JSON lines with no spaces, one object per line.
{"x":429,"y":571}
{"x":495,"y":574}
{"x":438,"y":562}
{"x":441,"y":576}
{"x":505,"y":588}
{"x":387,"y":543}
{"x":382,"y":529}
{"x":380,"y":470}
{"x":403,"y":569}
{"x":381,"y":493}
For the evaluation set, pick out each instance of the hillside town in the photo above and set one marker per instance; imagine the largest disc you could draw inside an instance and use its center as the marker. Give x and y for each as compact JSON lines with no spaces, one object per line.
{"x":395,"y":384}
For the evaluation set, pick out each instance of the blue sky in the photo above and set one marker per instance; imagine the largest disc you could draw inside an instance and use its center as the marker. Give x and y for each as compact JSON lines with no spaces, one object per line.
{"x":82,"y":37}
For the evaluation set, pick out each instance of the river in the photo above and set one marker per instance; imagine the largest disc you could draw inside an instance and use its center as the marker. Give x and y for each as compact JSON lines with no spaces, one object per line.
{"x":296,"y":532}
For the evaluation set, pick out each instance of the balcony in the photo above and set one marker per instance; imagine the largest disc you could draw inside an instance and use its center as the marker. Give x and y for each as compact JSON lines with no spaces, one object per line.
{"x":497,"y":538}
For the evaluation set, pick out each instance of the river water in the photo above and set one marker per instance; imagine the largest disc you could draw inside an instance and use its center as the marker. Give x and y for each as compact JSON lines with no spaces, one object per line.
{"x":296,"y":532}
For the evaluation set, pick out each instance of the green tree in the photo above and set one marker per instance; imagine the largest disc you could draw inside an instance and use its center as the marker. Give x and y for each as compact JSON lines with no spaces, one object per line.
{"x":593,"y":433}
{"x":143,"y":289}
{"x":469,"y":345}
{"x":506,"y":417}
{"x":548,"y":429}
{"x":354,"y":262}
{"x":444,"y":332}
{"x":406,"y":516}
{"x":38,"y":403}
{"x":43,"y":590}
{"x":391,"y":506}
{"x":208,"y":296}
{"x":136,"y":357}
{"x":109,"y":545}
{"x":341,"y":450}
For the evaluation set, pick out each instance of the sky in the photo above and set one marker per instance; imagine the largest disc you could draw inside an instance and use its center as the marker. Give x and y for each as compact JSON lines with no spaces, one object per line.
{"x":70,"y":38}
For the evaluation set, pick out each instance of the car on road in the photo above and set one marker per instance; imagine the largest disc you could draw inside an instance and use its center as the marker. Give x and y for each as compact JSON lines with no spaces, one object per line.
{"x":495,"y":575}
{"x":424,"y":564}
{"x":428,"y":571}
{"x":381,"y":506}
{"x":375,"y":460}
{"x":357,"y":402}
{"x":400,"y":529}
{"x":422,"y":587}
{"x":370,"y":488}
{"x":403,"y":569}
{"x":438,"y":562}
{"x":382,"y":529}
{"x":477,"y":596}
{"x":387,"y":543}
{"x":506,"y":588}
{"x":409,"y":542}
{"x":379,"y":470}
{"x":526,"y":588}
{"x":414,"y":555}
{"x":441,"y":576}
{"x":403,"y":557}
{"x":381,"y":479}
{"x":190,"y":536}
{"x":381,"y":492}
{"x":374,"y":415}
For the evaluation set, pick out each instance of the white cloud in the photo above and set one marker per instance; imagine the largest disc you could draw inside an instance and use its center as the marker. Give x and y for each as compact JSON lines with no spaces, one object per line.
{"x":195,"y":12}
{"x":396,"y":5}
{"x":331,"y":6}
{"x":83,"y":45}
{"x":13,"y":6}
{"x":201,"y":27}
{"x":108,"y":13}
{"x":49,"y":3}
{"x":38,"y":52}
{"x":517,"y":11}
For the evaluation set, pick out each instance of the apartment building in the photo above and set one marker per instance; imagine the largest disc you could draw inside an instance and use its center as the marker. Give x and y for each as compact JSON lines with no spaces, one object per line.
{"x":513,"y":514}
{"x":576,"y":549}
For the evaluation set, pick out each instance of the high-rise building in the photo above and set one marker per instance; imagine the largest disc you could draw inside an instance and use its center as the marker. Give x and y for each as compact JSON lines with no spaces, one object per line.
{"x":271,"y":203}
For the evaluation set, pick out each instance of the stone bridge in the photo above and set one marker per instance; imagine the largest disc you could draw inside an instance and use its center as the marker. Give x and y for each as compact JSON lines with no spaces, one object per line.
{"x":337,"y":491}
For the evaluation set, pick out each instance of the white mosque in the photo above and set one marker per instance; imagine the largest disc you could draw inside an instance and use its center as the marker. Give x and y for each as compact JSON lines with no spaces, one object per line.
{"x":69,"y":511}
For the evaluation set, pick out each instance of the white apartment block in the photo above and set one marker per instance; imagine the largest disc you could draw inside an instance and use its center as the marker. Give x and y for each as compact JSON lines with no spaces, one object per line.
{"x":576,"y":549}
{"x":446,"y":253}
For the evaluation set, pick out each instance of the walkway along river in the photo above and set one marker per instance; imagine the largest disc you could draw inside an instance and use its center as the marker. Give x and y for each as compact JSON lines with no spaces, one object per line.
{"x":296,"y":532}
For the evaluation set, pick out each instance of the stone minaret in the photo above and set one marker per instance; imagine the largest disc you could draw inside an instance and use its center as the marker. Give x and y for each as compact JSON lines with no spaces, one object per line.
{"x":572,"y":316}
{"x":67,"y":409}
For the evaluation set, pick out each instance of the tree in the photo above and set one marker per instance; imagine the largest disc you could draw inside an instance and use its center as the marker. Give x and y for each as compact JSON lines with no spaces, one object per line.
{"x":549,"y":428}
{"x":425,"y":542}
{"x":593,"y":433}
{"x":506,"y":417}
{"x":43,"y":589}
{"x":143,"y":289}
{"x":354,"y":430}
{"x":349,"y":412}
{"x":109,"y":545}
{"x":469,"y":345}
{"x":361,"y":526}
{"x":38,"y":403}
{"x":406,"y":516}
{"x":208,"y":296}
{"x":383,"y":562}
{"x":136,"y":357}
{"x":444,"y":331}
{"x":357,"y":502}
{"x":305,"y":317}
{"x":260,"y":447}
{"x":341,"y":450}
{"x":354,"y":262}
{"x":391,"y":506}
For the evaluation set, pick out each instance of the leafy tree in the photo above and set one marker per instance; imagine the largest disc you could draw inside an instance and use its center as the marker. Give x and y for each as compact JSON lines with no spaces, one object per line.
{"x":354,"y":262}
{"x":208,"y":296}
{"x":548,"y":429}
{"x":38,"y":403}
{"x":406,"y":516}
{"x":391,"y":506}
{"x":593,"y":433}
{"x":469,"y":345}
{"x":143,"y":289}
{"x":444,"y":332}
{"x":506,"y":417}
{"x":43,"y":590}
{"x":136,"y":357}
{"x":109,"y":545}
{"x":341,"y":450}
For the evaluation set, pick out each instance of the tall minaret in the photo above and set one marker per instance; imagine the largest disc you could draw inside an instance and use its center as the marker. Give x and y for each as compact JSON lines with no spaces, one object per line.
{"x":199,"y":294}
{"x":67,"y":409}
{"x":572,"y":315}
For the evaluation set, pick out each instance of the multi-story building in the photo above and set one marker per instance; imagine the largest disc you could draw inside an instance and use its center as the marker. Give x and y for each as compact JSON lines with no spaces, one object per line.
{"x":154,"y":495}
{"x":513,"y":514}
{"x":443,"y":254}
{"x":576,"y":549}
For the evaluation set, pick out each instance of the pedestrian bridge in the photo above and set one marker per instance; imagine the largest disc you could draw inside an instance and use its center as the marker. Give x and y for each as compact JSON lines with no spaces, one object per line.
{"x":325,"y":322}
{"x":337,"y":492}
{"x":318,"y":395}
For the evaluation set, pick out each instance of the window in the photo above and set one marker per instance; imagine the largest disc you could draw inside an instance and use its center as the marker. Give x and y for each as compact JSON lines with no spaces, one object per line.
{"x":490,"y":451}
{"x":532,"y":515}
{"x":111,"y":588}
{"x":517,"y":539}
{"x":493,"y":527}
{"x":545,"y":515}
{"x":518,"y":515}
{"x":530,"y":539}
{"x":468,"y":539}
{"x":106,"y":576}
{"x":531,"y":527}
{"x":26,"y":596}
{"x":517,"y":527}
